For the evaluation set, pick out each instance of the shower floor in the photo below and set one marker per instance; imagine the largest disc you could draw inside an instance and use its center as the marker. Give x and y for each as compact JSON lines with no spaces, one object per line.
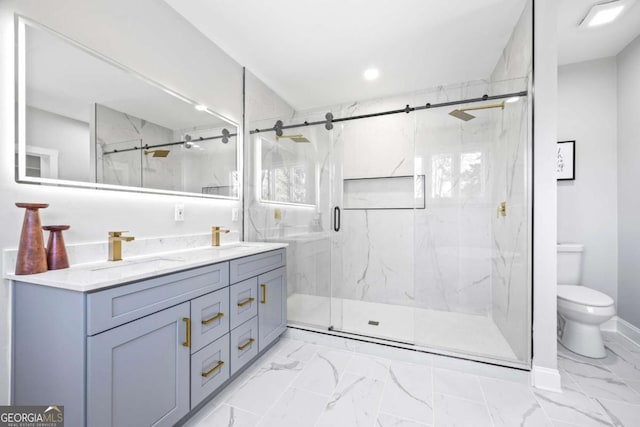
{"x":446,"y":330}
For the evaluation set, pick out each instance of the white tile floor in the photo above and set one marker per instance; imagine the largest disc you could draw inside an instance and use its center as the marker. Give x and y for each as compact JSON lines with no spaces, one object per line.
{"x":458,"y":332}
{"x":299,"y":383}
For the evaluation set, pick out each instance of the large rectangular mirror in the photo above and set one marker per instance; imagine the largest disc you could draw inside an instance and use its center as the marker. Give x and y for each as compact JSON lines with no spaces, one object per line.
{"x":85,"y":120}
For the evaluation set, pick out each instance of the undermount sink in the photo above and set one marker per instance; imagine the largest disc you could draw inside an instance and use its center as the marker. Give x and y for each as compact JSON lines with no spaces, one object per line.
{"x":129,"y":263}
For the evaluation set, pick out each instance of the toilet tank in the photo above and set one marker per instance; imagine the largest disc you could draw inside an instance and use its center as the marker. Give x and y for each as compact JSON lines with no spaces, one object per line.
{"x":570,"y":263}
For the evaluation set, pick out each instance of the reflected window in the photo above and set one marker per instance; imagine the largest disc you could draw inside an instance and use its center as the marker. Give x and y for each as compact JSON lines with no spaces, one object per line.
{"x":457,"y":175}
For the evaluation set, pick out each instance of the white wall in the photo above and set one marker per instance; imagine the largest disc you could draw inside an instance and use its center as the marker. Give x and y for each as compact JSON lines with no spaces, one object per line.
{"x":545,"y":131}
{"x":628,"y":179}
{"x":587,"y":206}
{"x":68,"y":136}
{"x":149,"y":37}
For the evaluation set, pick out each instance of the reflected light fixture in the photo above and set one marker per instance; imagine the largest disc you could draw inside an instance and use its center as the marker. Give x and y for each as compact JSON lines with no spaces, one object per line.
{"x":201,"y":107}
{"x":371,"y":74}
{"x":604,"y":13}
{"x":512,"y":99}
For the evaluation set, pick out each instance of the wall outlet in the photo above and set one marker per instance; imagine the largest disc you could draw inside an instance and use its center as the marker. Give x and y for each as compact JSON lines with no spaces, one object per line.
{"x":235,"y":214}
{"x":178,"y":213}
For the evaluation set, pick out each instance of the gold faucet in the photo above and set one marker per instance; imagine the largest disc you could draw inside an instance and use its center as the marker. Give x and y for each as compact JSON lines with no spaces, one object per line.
{"x":215,"y":235}
{"x":115,"y":244}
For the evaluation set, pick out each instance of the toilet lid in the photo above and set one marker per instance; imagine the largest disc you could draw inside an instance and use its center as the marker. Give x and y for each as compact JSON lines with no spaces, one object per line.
{"x":584,"y":295}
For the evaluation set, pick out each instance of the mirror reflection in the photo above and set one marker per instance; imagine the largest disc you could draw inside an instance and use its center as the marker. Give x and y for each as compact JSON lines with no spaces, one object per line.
{"x":90,"y":121}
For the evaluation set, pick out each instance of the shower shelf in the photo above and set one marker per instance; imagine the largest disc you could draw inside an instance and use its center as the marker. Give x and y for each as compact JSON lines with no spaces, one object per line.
{"x":384,"y":192}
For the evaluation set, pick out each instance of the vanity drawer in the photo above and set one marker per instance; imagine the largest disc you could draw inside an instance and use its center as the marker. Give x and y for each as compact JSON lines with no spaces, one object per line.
{"x":209,"y":318}
{"x":243,"y":301}
{"x":254,"y":265}
{"x":244,"y":344}
{"x":209,"y":369}
{"x":116,"y":306}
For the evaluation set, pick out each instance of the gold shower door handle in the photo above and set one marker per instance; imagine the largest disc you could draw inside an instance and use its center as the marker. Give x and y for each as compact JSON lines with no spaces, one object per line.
{"x":213,"y":319}
{"x":264,"y":293}
{"x":187,"y":342}
{"x":212,"y":370}
{"x":502,"y":209}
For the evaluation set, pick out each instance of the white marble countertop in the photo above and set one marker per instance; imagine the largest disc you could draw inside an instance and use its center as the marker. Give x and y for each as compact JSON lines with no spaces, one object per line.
{"x":94,"y":276}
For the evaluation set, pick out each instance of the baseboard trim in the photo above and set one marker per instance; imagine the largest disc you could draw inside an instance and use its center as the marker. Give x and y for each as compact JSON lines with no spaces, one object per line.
{"x":610,"y":325}
{"x":628,"y":330}
{"x":546,"y":379}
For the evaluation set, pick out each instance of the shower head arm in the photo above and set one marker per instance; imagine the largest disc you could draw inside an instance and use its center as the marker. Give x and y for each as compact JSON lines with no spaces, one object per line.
{"x":484,"y":107}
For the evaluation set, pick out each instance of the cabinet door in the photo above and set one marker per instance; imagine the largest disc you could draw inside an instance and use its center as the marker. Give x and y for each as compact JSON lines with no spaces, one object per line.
{"x":138,"y":373}
{"x":272,"y":310}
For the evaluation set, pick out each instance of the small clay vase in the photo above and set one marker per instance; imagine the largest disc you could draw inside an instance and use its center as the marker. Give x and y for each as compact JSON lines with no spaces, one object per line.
{"x":56,"y":251}
{"x":32,"y":257}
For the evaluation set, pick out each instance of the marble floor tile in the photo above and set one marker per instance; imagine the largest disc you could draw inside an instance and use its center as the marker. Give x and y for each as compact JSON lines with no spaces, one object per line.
{"x":370,"y":367}
{"x":606,"y":387}
{"x":225,"y":415}
{"x":512,"y":404}
{"x":571,"y":406}
{"x":322,"y":374}
{"x":457,"y":384}
{"x":409,"y":392}
{"x":354,"y":403}
{"x":622,"y":361}
{"x":634,"y":385}
{"x":295,"y":408}
{"x":450,"y":411}
{"x":265,"y":386}
{"x":386,"y":420}
{"x":622,"y":414}
{"x":296,"y":350}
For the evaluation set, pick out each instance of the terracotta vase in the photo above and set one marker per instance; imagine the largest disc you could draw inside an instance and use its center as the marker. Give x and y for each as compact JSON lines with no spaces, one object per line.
{"x":56,"y":251}
{"x":32,"y":257}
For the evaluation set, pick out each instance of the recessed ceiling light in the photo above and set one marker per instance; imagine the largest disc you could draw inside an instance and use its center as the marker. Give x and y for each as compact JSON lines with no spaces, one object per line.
{"x":512,"y":99}
{"x":201,"y":107}
{"x":371,"y":74}
{"x":604,"y":13}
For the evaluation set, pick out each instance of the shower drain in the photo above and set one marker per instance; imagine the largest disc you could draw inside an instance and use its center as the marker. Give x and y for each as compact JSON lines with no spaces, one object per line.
{"x":374,"y":322}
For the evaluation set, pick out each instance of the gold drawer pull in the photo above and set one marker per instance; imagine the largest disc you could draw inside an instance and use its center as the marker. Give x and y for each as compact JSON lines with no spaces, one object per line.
{"x":213,"y":319}
{"x":187,"y":342}
{"x":264,"y":293}
{"x":247,"y":344}
{"x":245,"y":302}
{"x":212,"y":370}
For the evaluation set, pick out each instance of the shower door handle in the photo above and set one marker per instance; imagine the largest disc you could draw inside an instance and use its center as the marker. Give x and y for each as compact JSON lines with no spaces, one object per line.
{"x":336,"y":219}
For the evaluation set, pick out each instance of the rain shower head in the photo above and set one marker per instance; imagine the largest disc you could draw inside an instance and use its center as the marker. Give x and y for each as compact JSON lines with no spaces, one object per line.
{"x":157,"y":153}
{"x":294,"y":138}
{"x":463,"y":115}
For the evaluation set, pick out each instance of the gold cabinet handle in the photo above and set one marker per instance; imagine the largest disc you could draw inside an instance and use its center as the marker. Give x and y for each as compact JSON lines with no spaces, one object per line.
{"x":247,"y":344}
{"x":213,"y":319}
{"x":212,"y":370}
{"x":187,"y":342}
{"x":264,"y":293}
{"x":245,"y":302}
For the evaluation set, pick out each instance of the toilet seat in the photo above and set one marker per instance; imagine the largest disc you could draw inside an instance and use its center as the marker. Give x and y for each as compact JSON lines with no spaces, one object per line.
{"x":584,"y":296}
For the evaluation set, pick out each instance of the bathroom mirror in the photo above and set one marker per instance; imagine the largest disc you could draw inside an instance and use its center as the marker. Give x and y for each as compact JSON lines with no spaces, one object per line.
{"x":288,"y":170}
{"x":85,"y":120}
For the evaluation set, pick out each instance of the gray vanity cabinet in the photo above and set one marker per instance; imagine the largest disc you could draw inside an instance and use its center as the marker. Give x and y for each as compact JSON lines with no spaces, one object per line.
{"x":138,"y":373}
{"x":272,"y":310}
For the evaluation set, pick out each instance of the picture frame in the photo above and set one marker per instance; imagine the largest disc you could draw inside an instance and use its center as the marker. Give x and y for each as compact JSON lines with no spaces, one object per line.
{"x":566,"y":161}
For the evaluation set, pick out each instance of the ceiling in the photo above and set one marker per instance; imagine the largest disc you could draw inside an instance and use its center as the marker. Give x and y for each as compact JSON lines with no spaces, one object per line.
{"x":313,"y":53}
{"x":577,"y":44}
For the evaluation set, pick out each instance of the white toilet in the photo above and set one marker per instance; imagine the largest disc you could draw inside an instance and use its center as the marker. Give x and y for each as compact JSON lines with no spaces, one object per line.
{"x":581,"y":310}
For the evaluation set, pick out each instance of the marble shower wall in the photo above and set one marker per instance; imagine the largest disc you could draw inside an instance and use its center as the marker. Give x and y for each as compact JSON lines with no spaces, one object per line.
{"x":511,"y":235}
{"x":117,"y":130}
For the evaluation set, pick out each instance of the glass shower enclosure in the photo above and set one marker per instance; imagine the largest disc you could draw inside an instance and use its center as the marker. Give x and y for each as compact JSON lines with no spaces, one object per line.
{"x":411,"y":228}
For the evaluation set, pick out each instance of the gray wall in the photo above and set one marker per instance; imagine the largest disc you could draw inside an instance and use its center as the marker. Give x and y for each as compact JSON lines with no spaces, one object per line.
{"x":628,"y":181}
{"x":587,"y":206}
